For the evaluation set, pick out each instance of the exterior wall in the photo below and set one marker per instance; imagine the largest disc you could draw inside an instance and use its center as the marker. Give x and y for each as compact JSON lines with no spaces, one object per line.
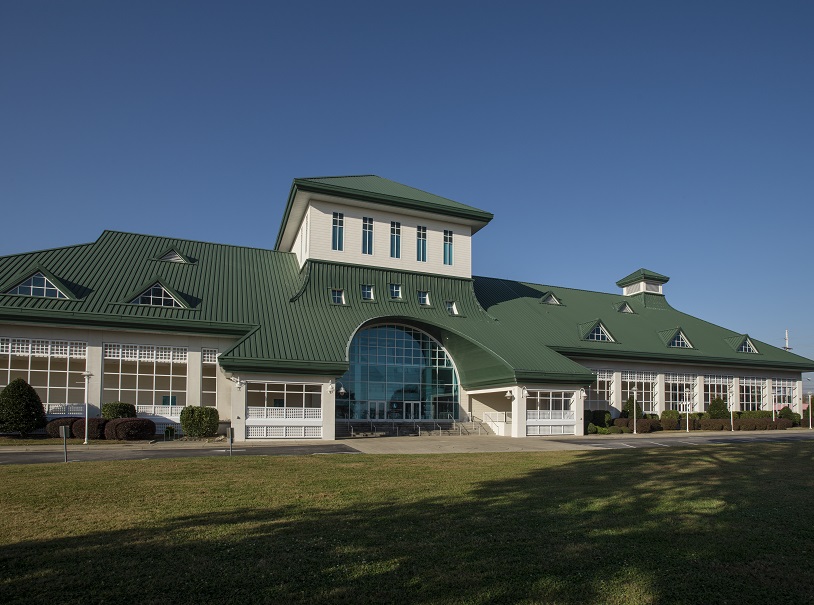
{"x":302,"y":241}
{"x":699,"y":371}
{"x":320,"y":218}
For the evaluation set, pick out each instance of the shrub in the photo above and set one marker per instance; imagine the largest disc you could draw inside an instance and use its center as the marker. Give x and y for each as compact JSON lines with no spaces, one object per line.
{"x":796,"y":419}
{"x":602,"y":430}
{"x":695,"y":422}
{"x":713,"y":424}
{"x":624,"y":429}
{"x":118,"y":409}
{"x":785,"y":412}
{"x":783,"y":423}
{"x":52,"y":428}
{"x":718,"y":409}
{"x":199,"y":421}
{"x":599,"y":417}
{"x":762,"y":424}
{"x":669,"y":414}
{"x":642,"y":425}
{"x":668,"y":423}
{"x":592,"y":430}
{"x":627,"y":409}
{"x":129,"y":429}
{"x":655,"y":424}
{"x":21,"y":409}
{"x":752,"y":414}
{"x":746,"y":424}
{"x":96,"y":428}
{"x":614,"y":430}
{"x":620,"y":422}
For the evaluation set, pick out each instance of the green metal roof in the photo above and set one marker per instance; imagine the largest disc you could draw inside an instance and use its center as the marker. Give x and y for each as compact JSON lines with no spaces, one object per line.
{"x":372,"y":188}
{"x":282,"y":318}
{"x":641,"y":275}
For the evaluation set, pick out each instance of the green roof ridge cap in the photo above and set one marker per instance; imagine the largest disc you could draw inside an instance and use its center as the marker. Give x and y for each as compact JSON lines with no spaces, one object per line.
{"x":642,"y":275}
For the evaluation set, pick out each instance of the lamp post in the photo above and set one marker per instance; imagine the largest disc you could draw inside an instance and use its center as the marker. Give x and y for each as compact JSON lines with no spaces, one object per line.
{"x":633,"y":392}
{"x":809,"y":405}
{"x":86,"y":374}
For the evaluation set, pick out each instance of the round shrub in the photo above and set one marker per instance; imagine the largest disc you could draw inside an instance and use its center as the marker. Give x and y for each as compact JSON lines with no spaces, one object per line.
{"x":669,"y":423}
{"x":96,"y":428}
{"x":783,"y":423}
{"x":614,"y":430}
{"x":21,"y":409}
{"x":747,"y":424}
{"x":592,"y":430}
{"x":52,"y":428}
{"x":642,"y":425}
{"x":118,"y":409}
{"x":199,"y":421}
{"x":620,"y":422}
{"x":129,"y":429}
{"x":718,"y":409}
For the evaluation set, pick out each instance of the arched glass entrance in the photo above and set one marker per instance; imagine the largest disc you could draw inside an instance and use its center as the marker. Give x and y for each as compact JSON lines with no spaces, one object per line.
{"x":397,"y":373}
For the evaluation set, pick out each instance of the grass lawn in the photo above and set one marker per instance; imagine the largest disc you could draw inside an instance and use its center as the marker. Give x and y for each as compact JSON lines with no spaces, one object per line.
{"x":720,"y":524}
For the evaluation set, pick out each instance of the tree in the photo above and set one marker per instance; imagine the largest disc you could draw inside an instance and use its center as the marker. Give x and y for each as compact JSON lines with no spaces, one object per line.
{"x":21,"y":409}
{"x":718,"y":408}
{"x":627,"y":409}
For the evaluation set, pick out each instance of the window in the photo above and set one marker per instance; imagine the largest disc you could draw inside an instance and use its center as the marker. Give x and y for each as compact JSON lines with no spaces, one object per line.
{"x":550,"y":405}
{"x":645,"y":385}
{"x":782,"y":393}
{"x":156,"y":296}
{"x":679,"y":390}
{"x":209,"y":377}
{"x":338,"y":232}
{"x":37,"y":285}
{"x":421,"y":244}
{"x":625,"y":308}
{"x":747,"y":347}
{"x":751,"y":393}
{"x":54,"y":368}
{"x":367,"y":292}
{"x":423,"y":298}
{"x":367,"y":235}
{"x":599,"y":334}
{"x":680,"y":341}
{"x":447,"y":247}
{"x":173,"y":257}
{"x":395,"y":240}
{"x":145,"y":375}
{"x":717,"y":387}
{"x":395,"y":290}
{"x":550,"y":299}
{"x":452,"y":307}
{"x":286,"y":400}
{"x":600,"y":394}
{"x":337,"y":296}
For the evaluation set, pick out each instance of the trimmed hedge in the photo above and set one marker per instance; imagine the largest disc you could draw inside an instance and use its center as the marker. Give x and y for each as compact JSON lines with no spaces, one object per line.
{"x":96,"y":428}
{"x":715,"y":424}
{"x":118,"y":409}
{"x":129,"y":429}
{"x":52,"y":428}
{"x":199,"y":421}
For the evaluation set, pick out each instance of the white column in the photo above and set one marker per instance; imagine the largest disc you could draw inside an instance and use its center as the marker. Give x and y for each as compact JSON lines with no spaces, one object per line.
{"x":616,"y":392}
{"x":699,"y":393}
{"x":238,"y":415}
{"x":94,"y":363}
{"x":194,"y":377}
{"x":768,"y":398}
{"x":518,"y":413}
{"x":661,"y":394}
{"x":798,"y":397}
{"x":736,"y":394}
{"x":328,"y":412}
{"x":579,"y":411}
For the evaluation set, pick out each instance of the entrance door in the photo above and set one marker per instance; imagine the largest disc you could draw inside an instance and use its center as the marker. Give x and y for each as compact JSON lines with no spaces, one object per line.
{"x":378,"y":410}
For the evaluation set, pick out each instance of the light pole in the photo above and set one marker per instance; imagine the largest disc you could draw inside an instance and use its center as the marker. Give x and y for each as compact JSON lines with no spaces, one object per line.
{"x":86,"y":374}
{"x":633,"y":392}
{"x":809,"y":405}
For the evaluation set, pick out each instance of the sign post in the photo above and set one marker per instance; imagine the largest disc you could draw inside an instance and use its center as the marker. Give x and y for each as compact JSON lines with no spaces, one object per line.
{"x":63,"y":432}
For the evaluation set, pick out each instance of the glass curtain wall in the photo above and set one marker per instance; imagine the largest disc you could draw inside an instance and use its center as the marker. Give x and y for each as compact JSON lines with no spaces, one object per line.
{"x":397,"y":373}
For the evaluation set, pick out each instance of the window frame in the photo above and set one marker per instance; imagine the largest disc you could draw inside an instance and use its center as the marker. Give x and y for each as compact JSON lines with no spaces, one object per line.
{"x":421,"y":244}
{"x":338,"y":232}
{"x":395,"y":239}
{"x":367,"y":236}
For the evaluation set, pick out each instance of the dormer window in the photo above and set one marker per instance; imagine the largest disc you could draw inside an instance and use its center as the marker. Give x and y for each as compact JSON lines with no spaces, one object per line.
{"x":452,"y":307}
{"x":37,"y":285}
{"x":747,"y":347}
{"x":550,"y":299}
{"x":599,"y":334}
{"x":337,"y":296}
{"x":395,"y":291}
{"x":680,"y":341}
{"x":156,"y":296}
{"x":367,"y":292}
{"x":423,"y":298}
{"x":172,"y":256}
{"x":625,"y":308}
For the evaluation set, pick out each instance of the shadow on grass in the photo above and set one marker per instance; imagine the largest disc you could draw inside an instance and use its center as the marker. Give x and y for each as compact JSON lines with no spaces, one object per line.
{"x":717,"y":525}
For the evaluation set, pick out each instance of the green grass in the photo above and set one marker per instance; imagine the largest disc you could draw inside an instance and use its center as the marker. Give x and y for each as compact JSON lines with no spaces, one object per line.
{"x":714,"y":525}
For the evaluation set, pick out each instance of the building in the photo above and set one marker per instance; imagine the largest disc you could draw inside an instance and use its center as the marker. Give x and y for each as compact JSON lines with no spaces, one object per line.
{"x":365,"y":309}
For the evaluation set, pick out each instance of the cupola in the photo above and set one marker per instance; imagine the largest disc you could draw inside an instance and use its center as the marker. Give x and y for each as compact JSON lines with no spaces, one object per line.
{"x":643,"y":280}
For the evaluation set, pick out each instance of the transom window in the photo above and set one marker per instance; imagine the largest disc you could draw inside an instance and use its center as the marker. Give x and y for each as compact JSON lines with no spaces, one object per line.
{"x":209,"y":377}
{"x":367,"y":235}
{"x":37,"y":285}
{"x":397,"y":373}
{"x":680,"y":341}
{"x":338,"y":232}
{"x":395,"y":239}
{"x":395,"y":290}
{"x":423,"y":298}
{"x":156,"y":296}
{"x":452,"y":307}
{"x":367,"y":292}
{"x":337,"y":296}
{"x":421,"y":244}
{"x":599,"y":334}
{"x":447,"y":247}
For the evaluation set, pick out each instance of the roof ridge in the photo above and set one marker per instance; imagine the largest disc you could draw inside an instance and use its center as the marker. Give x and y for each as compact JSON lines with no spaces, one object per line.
{"x":340,"y":176}
{"x":48,"y":249}
{"x":194,"y":241}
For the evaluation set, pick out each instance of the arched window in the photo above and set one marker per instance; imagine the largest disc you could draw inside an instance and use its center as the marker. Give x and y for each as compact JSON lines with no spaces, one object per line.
{"x":397,"y":373}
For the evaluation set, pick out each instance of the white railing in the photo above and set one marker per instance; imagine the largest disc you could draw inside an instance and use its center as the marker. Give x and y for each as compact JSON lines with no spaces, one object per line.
{"x":160,"y":410}
{"x":550,"y":415}
{"x":498,"y":421}
{"x":306,"y":413}
{"x":64,"y":409}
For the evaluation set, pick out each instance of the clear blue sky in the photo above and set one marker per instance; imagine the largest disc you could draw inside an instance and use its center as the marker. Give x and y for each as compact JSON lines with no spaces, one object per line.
{"x":604,"y":136}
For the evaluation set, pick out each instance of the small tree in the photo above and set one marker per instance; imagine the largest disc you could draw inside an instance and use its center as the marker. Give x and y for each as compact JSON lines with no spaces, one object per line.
{"x":718,"y":409}
{"x":199,"y":421}
{"x":785,"y":412}
{"x":21,"y":409}
{"x":627,"y":409}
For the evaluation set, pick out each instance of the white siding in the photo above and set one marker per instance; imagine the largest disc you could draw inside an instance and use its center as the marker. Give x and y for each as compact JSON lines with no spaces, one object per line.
{"x":319,"y":246}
